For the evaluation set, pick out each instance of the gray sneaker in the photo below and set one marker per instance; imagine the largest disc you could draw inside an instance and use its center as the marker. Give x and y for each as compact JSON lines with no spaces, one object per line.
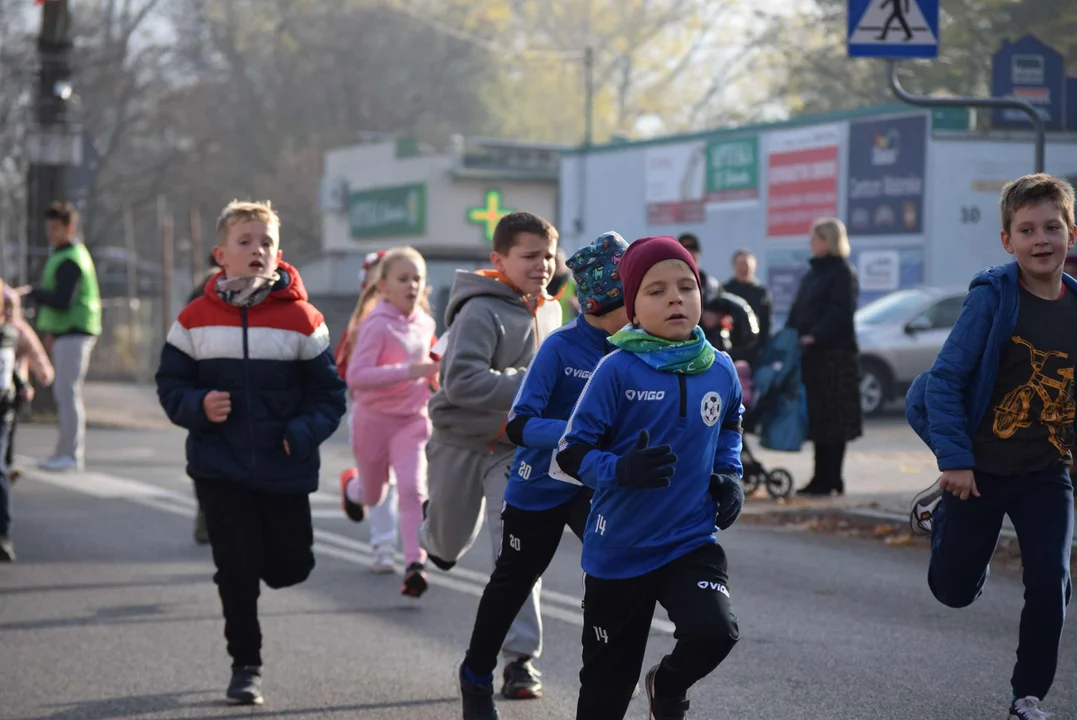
{"x":923,"y":509}
{"x":7,"y":550}
{"x":246,"y":686}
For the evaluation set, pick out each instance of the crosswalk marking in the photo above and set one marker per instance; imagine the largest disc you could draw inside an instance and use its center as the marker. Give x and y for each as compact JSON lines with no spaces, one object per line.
{"x":559,"y":606}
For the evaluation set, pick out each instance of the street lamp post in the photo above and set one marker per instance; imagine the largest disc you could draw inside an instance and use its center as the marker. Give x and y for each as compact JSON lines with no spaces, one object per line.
{"x":51,"y":146}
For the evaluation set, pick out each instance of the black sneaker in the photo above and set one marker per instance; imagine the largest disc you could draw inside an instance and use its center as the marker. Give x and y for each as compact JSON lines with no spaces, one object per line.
{"x":246,"y":686}
{"x":923,"y":509}
{"x":1028,"y":708}
{"x":521,"y":680}
{"x":7,"y":550}
{"x":664,"y":708}
{"x":478,"y":700}
{"x":415,"y":583}
{"x":354,"y":511}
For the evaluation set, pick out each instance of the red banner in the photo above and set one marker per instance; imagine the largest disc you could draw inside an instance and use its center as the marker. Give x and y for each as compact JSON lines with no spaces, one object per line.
{"x":802,"y":186}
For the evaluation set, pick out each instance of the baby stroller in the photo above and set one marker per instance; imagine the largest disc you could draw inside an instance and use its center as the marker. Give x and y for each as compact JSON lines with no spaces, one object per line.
{"x":775,"y":379}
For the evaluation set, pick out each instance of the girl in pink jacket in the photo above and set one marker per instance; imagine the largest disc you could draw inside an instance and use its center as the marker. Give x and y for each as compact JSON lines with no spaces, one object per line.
{"x":389,"y":379}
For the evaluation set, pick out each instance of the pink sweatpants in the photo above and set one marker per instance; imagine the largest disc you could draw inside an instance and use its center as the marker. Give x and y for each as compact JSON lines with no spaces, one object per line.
{"x":381,"y":440}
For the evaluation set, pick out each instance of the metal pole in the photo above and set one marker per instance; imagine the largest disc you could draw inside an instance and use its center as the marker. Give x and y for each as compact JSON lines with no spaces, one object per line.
{"x":994,"y":103}
{"x":195,"y":221}
{"x":588,"y":135}
{"x":164,"y":218}
{"x":48,"y":182}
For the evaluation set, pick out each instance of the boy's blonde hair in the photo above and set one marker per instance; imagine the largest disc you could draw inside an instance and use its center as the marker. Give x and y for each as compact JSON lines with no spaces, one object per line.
{"x":240,"y":211}
{"x":832,"y":231}
{"x":1032,"y":190}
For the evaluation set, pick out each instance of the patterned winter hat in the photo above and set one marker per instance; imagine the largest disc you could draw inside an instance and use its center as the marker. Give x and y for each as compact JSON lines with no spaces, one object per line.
{"x":595,"y":270}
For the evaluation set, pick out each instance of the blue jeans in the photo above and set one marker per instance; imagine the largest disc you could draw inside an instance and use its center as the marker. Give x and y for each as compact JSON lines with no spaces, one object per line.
{"x":963,"y":539}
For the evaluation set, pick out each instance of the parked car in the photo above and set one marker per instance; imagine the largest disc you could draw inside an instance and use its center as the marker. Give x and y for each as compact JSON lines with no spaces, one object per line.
{"x":899,"y":336}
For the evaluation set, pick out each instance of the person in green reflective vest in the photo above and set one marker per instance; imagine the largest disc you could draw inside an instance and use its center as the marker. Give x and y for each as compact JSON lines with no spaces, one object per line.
{"x":563,"y":289}
{"x":69,"y":316}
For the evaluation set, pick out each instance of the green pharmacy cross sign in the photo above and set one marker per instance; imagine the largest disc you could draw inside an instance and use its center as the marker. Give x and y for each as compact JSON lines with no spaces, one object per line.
{"x":489,"y":214}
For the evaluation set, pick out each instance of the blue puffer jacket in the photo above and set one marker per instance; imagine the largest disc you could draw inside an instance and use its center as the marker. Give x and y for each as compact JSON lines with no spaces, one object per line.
{"x":946,"y":404}
{"x":275,"y":361}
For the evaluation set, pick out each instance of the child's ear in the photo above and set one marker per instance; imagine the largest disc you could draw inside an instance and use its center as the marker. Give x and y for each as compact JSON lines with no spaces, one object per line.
{"x":1006,"y":244}
{"x":497,"y":261}
{"x":218,"y":255}
{"x":280,"y":254}
{"x":1073,"y":235}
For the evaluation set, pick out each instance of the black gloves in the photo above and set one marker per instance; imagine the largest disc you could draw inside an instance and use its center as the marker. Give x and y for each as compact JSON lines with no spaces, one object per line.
{"x":727,"y":492}
{"x":645,"y":467}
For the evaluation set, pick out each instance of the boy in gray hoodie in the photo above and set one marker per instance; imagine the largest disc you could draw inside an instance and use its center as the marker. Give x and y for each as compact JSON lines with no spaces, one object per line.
{"x":495,"y":321}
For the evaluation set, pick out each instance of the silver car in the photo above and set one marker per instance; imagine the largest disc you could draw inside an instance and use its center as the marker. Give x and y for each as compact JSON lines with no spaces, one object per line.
{"x":899,"y":336}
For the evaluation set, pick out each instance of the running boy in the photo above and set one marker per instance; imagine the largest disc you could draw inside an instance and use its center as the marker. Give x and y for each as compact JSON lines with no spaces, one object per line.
{"x":997,"y":409}
{"x":495,"y":321}
{"x":252,"y":338}
{"x":656,"y":433}
{"x":539,"y":500}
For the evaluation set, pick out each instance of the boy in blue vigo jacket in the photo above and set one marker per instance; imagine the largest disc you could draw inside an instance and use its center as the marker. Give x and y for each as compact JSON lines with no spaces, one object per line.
{"x":247,"y":369}
{"x":539,"y":499}
{"x":657,"y":434}
{"x":997,"y":410}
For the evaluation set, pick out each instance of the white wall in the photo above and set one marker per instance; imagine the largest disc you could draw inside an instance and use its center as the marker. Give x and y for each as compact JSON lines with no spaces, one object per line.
{"x":965,"y":177}
{"x":368,"y":167}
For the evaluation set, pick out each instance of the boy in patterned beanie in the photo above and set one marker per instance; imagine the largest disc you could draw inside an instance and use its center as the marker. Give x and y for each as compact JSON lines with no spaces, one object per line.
{"x":540,"y":500}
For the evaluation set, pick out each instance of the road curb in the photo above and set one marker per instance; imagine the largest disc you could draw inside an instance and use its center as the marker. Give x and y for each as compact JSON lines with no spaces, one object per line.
{"x":870,"y":514}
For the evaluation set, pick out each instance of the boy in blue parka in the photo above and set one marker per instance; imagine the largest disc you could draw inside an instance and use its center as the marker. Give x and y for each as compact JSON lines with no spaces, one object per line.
{"x":248,"y":371}
{"x":657,"y":435}
{"x":997,"y":410}
{"x":540,"y":501}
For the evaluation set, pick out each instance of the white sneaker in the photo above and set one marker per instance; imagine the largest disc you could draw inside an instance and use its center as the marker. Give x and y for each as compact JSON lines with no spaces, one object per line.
{"x":61,"y":464}
{"x":383,"y":560}
{"x":1028,"y":708}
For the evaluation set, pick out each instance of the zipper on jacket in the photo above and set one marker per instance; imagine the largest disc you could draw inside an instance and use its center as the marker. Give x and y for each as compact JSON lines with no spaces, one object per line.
{"x":684,"y":394}
{"x":247,"y":385}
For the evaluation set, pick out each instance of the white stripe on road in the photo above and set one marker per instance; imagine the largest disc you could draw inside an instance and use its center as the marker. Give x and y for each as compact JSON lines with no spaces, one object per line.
{"x":469,"y":582}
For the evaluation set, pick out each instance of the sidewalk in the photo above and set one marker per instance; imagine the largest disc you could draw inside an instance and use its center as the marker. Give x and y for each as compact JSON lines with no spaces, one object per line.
{"x":126,"y":406}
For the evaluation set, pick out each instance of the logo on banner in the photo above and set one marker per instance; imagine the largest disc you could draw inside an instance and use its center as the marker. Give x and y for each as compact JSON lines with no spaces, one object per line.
{"x":886,"y":147}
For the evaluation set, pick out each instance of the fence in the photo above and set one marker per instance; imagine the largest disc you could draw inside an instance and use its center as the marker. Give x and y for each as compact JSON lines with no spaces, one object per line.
{"x":131,"y":338}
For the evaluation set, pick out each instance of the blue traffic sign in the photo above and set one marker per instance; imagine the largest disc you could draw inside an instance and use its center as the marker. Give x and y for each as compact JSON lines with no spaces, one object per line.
{"x":1032,"y":71}
{"x":893,"y":29}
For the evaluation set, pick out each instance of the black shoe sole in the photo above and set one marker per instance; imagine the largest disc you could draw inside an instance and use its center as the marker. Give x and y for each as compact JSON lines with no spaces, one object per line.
{"x":441,"y":564}
{"x":521,"y":693}
{"x":354,"y":512}
{"x":246,"y":700}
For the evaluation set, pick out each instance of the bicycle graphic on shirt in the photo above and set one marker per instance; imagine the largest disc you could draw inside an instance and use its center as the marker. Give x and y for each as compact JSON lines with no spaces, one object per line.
{"x":1012,"y":414}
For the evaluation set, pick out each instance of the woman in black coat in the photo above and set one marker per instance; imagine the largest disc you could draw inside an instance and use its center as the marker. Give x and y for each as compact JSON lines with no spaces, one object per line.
{"x":822,"y":315}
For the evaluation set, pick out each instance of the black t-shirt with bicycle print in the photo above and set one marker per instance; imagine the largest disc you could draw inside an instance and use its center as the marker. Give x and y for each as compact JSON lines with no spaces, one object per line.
{"x":1029,"y":424}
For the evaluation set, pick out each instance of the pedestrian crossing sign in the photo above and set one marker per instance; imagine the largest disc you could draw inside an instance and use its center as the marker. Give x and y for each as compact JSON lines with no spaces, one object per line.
{"x":893,"y":28}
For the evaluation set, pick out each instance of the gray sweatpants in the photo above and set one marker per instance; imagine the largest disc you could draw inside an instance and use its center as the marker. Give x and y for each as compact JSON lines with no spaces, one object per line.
{"x":71,"y":359}
{"x":461,"y":483}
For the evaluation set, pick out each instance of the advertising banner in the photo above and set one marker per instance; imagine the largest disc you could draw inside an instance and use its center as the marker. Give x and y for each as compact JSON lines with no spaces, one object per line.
{"x":802,"y":178}
{"x":886,"y":176}
{"x":733,"y":170}
{"x":674,"y":183}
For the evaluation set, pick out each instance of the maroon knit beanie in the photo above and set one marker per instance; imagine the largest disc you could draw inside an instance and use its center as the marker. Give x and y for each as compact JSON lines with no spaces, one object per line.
{"x":644,"y":254}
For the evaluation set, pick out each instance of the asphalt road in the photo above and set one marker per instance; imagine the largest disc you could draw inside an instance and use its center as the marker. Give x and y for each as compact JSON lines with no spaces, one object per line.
{"x":111,"y":613}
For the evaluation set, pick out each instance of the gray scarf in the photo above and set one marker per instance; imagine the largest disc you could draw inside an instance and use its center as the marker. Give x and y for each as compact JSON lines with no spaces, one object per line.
{"x":246,"y":290}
